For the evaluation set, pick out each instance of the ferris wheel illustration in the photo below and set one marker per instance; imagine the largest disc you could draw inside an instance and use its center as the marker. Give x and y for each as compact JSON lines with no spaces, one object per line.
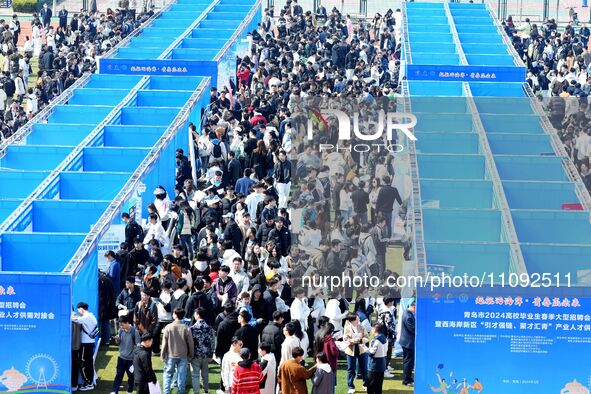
{"x":42,"y":370}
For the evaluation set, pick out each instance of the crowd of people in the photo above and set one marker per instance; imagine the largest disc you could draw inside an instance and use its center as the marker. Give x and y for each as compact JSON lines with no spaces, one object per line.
{"x":217,"y":273}
{"x":64,"y":53}
{"x":559,"y":71}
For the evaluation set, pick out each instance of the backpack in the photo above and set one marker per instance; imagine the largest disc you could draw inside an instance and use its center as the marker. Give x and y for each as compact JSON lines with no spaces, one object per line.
{"x":217,"y":151}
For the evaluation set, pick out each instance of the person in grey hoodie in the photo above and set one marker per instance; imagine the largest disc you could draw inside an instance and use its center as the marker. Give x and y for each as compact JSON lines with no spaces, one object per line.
{"x":323,"y":381}
{"x":127,"y":338}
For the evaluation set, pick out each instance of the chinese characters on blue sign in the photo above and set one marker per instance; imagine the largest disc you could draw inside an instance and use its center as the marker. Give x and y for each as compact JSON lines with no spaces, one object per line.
{"x":465,"y":73}
{"x":503,"y":341}
{"x":154,"y":67}
{"x":35,"y":329}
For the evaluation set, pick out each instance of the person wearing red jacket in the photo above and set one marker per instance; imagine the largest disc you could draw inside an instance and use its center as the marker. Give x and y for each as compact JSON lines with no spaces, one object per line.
{"x":243,"y":75}
{"x":330,"y":348}
{"x":248,"y":375}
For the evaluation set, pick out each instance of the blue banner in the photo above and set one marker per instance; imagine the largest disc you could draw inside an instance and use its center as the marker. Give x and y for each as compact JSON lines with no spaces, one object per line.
{"x":35,"y":332}
{"x":503,"y":340}
{"x":456,"y":73}
{"x":169,"y":67}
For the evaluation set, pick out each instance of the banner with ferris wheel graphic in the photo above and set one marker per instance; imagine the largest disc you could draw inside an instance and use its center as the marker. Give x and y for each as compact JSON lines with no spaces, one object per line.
{"x":35,"y":332}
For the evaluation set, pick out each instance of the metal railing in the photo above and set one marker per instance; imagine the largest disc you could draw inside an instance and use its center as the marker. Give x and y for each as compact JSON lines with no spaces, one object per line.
{"x":104,"y":222}
{"x":516,"y":59}
{"x":239,"y":30}
{"x":559,"y":149}
{"x":405,"y":37}
{"x":13,"y":220}
{"x":454,"y":34}
{"x":168,"y":51}
{"x":509,"y":227}
{"x":416,"y":215}
{"x":42,"y":115}
{"x":139,"y":30}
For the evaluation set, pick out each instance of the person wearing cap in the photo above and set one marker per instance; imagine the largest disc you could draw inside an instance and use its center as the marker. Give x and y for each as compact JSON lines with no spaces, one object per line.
{"x":282,"y":175}
{"x":225,"y":287}
{"x":247,"y":333}
{"x":248,"y":374}
{"x":232,"y":232}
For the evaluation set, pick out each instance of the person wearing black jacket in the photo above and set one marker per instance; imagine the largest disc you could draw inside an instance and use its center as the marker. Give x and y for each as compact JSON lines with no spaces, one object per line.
{"x":281,"y":235}
{"x":132,"y":229}
{"x":232,"y":232}
{"x":199,"y":300}
{"x":264,"y":230}
{"x":143,"y":373}
{"x":407,"y":342}
{"x":260,"y":306}
{"x":107,"y":309}
{"x":138,"y":257}
{"x":248,"y":334}
{"x":129,"y":297}
{"x":273,"y":335}
{"x":360,"y":200}
{"x":234,"y":168}
{"x":282,"y":175}
{"x":387,"y":196}
{"x":226,"y":330}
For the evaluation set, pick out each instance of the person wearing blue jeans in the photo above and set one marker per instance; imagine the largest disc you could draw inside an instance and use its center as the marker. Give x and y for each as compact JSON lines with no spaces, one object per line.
{"x":356,"y":337}
{"x":178,"y":365}
{"x":177,"y":351}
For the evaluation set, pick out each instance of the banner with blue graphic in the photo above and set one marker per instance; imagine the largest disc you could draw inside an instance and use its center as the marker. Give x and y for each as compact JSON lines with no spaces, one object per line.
{"x":456,"y":73}
{"x":503,"y":340}
{"x":35,"y":332}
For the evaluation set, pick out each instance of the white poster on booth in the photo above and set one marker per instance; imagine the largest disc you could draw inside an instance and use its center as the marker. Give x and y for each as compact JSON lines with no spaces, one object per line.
{"x":110,"y":241}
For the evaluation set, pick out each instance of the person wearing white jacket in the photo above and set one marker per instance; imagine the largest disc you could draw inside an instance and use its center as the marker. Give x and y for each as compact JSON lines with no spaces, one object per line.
{"x":157,"y":232}
{"x":20,"y":88}
{"x":229,"y":363}
{"x":299,"y":309}
{"x":333,"y":312}
{"x":269,"y":367}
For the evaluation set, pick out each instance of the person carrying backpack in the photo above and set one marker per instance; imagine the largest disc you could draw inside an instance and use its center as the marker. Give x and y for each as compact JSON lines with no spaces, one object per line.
{"x":127,"y":339}
{"x":217,"y":151}
{"x":89,"y":333}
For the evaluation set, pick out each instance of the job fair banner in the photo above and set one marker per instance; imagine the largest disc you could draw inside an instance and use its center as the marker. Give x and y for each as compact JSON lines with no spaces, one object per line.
{"x":503,"y":341}
{"x":35,"y":332}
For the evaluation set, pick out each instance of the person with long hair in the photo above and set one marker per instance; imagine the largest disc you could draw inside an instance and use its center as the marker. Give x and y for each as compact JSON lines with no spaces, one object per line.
{"x":259,"y":160}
